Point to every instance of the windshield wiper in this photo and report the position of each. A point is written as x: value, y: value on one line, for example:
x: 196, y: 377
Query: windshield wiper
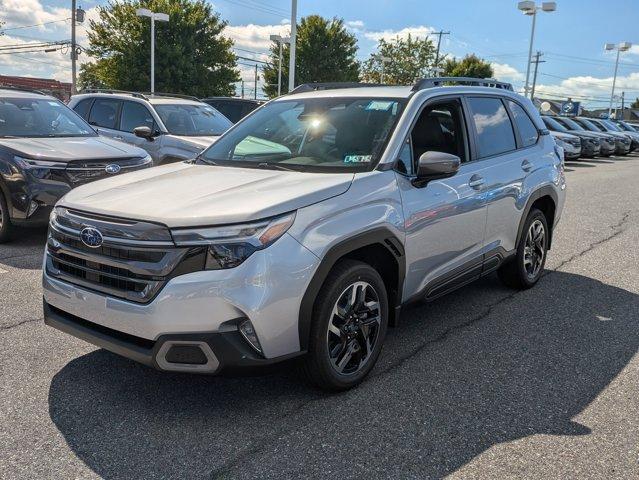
x: 276, y: 166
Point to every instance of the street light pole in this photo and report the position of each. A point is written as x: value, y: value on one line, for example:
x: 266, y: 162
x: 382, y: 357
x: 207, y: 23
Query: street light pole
x: 530, y: 8
x: 73, y: 52
x: 161, y: 17
x: 622, y: 47
x: 281, y: 41
x: 291, y: 63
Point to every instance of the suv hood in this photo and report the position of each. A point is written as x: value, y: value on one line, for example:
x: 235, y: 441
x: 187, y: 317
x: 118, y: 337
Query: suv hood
x: 66, y: 149
x: 200, y: 143
x: 187, y: 195
x: 563, y: 135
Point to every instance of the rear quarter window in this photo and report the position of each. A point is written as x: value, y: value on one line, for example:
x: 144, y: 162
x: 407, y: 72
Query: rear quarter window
x: 527, y: 130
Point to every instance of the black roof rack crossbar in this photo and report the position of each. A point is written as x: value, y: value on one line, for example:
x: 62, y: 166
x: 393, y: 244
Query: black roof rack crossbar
x: 174, y: 95
x: 478, y: 82
x: 22, y: 89
x: 313, y: 87
x: 110, y: 90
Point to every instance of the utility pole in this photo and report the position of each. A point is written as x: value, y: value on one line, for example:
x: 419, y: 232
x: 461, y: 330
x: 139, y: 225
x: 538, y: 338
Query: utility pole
x: 439, y: 42
x: 536, y: 61
x: 74, y: 53
x: 623, y: 102
x: 255, y: 92
x: 242, y: 88
x: 291, y: 63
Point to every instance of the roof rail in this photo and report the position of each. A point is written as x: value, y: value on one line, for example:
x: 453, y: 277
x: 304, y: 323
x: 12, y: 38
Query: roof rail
x: 174, y: 95
x: 313, y: 87
x: 22, y: 89
x: 478, y: 82
x: 109, y: 90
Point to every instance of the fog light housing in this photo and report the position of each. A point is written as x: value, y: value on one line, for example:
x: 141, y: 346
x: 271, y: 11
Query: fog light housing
x: 248, y: 332
x: 33, y: 206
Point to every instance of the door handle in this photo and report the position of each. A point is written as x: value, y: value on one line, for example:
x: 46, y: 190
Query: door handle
x: 526, y: 166
x: 118, y: 137
x: 476, y: 182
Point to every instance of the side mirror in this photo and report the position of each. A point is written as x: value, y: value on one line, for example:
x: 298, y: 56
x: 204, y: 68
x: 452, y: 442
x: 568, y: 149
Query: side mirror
x: 434, y: 166
x: 144, y: 132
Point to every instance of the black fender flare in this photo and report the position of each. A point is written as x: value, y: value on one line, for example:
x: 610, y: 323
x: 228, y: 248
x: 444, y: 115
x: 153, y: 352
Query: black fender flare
x: 378, y: 236
x: 545, y: 191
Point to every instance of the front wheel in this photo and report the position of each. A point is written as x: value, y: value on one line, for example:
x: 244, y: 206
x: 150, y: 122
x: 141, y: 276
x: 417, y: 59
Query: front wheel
x: 6, y: 228
x: 526, y: 268
x: 350, y: 319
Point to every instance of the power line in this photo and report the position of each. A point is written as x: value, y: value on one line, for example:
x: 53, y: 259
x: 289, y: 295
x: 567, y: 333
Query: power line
x: 35, y: 25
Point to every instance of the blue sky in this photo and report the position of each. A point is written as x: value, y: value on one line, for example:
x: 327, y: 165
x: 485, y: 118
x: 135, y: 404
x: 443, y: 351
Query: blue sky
x: 571, y: 38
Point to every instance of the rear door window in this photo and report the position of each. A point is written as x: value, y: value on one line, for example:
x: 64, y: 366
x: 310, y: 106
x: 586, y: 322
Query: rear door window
x: 104, y: 113
x: 494, y: 130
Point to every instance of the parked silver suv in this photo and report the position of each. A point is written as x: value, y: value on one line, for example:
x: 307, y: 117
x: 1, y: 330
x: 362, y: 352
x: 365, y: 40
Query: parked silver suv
x: 306, y: 227
x: 169, y: 127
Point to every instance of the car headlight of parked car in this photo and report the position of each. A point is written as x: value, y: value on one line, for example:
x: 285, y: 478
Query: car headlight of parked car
x: 229, y: 245
x: 37, y: 168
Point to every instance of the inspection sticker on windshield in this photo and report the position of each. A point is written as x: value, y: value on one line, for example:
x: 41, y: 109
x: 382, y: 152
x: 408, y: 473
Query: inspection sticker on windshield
x: 379, y: 105
x: 357, y: 158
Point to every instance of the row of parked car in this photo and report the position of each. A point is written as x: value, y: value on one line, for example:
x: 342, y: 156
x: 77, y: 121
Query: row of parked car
x: 582, y: 137
x: 46, y: 149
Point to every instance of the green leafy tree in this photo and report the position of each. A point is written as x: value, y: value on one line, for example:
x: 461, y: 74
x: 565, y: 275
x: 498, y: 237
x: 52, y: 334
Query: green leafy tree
x: 325, y: 52
x: 402, y: 60
x: 469, y: 66
x: 191, y: 55
x: 635, y: 104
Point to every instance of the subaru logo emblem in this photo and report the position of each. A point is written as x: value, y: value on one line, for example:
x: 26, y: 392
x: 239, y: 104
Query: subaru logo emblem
x: 113, y: 168
x: 91, y: 237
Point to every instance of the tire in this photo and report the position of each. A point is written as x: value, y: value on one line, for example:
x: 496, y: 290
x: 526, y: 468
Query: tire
x: 525, y: 270
x: 352, y: 356
x: 6, y: 228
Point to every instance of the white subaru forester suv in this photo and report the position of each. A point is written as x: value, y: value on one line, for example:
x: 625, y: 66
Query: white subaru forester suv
x: 306, y: 227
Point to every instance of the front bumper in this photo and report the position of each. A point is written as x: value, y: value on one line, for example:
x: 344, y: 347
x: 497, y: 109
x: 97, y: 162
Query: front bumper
x: 267, y: 289
x: 220, y: 351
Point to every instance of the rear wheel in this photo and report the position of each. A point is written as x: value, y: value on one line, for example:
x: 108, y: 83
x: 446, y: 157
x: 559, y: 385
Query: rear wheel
x: 526, y: 268
x: 6, y: 228
x: 349, y: 326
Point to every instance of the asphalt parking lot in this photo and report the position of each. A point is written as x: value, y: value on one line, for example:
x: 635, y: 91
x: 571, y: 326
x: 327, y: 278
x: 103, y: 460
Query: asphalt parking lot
x: 483, y: 383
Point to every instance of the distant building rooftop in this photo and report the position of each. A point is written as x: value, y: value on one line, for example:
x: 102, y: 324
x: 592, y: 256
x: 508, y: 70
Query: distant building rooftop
x: 62, y: 90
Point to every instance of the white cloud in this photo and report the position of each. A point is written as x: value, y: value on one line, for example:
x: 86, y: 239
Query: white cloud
x: 255, y: 37
x: 17, y: 13
x: 503, y: 71
x: 355, y: 25
x: 420, y: 31
x: 590, y: 90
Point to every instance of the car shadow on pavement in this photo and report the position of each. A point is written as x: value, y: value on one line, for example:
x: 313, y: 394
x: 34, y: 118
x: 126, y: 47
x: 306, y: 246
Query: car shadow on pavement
x: 579, y: 164
x: 477, y: 368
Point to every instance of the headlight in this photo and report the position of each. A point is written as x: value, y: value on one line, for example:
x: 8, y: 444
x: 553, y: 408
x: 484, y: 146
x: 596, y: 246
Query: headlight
x: 30, y: 164
x: 229, y: 245
x: 38, y: 168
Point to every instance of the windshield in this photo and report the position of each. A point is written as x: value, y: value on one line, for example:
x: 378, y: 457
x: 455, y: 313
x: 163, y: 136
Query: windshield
x: 611, y: 126
x: 588, y: 125
x: 192, y: 120
x: 570, y: 124
x: 36, y: 117
x: 553, y: 124
x: 317, y: 134
x: 627, y: 127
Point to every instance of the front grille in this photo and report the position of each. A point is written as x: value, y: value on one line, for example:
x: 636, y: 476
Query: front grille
x: 131, y: 263
x: 79, y: 172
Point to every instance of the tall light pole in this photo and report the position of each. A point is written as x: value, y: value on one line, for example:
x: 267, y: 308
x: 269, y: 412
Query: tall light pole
x: 384, y: 61
x: 77, y: 15
x: 291, y: 62
x: 622, y: 47
x: 281, y: 41
x: 530, y: 8
x: 160, y: 17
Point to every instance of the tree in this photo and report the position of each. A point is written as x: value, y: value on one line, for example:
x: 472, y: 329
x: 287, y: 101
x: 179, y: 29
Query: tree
x: 469, y: 66
x: 635, y: 104
x: 191, y: 56
x: 408, y: 59
x: 325, y: 52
